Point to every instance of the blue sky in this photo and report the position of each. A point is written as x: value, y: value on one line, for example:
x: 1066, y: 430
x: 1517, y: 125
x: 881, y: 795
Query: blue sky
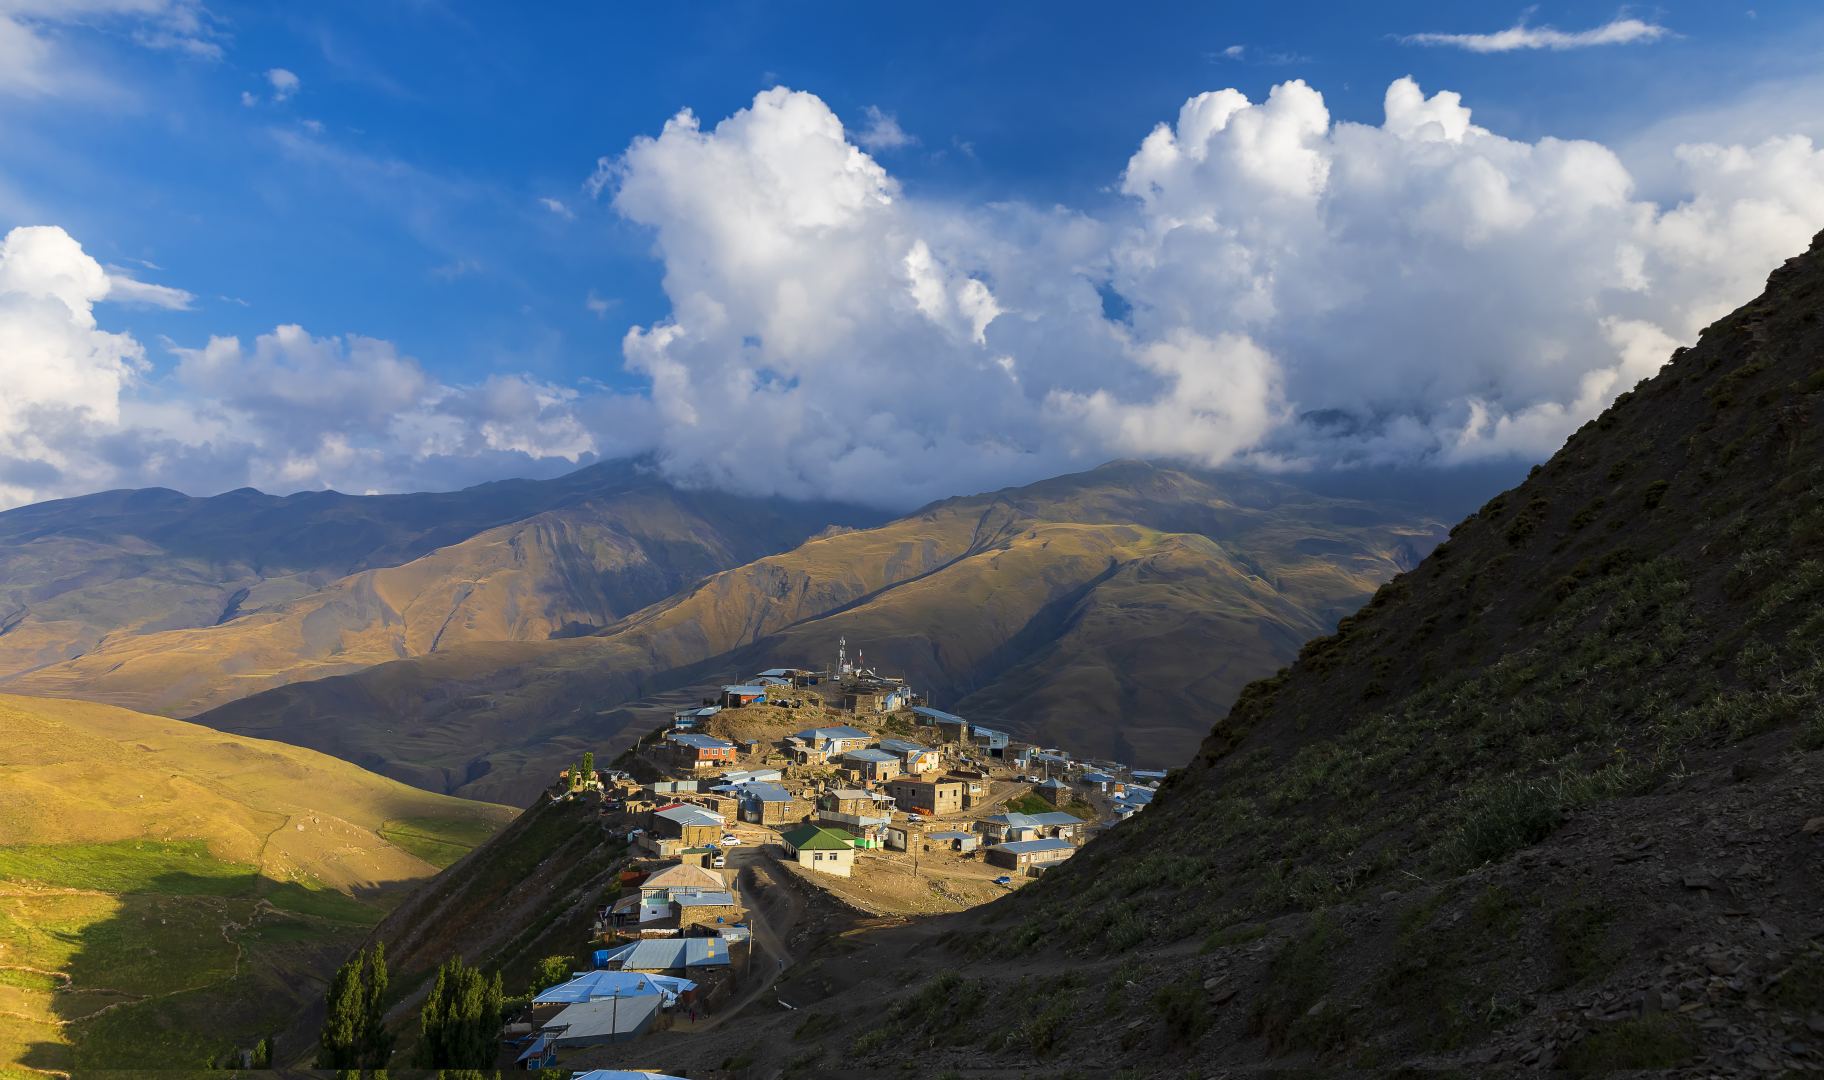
x: 422, y: 177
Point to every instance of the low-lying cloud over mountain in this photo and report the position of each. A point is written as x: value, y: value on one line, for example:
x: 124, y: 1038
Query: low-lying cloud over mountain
x: 1270, y: 286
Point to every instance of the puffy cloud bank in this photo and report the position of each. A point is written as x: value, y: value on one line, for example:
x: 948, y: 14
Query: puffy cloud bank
x: 1277, y: 288
x: 79, y: 410
x: 1269, y: 286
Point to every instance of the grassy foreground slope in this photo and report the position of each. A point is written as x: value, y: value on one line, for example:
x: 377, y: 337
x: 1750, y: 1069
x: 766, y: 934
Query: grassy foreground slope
x: 1553, y: 800
x: 1192, y: 582
x: 169, y: 893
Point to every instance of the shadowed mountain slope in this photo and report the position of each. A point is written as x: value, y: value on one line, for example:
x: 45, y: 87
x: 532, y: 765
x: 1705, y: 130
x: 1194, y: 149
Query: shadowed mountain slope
x: 1037, y: 585
x: 1552, y: 800
x: 172, y: 893
x: 160, y: 612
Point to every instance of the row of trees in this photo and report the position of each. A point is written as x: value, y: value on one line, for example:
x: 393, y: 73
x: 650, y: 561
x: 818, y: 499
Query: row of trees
x: 583, y: 771
x: 460, y: 1021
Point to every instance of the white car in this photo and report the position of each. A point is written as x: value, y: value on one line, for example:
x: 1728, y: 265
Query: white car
x: 730, y: 840
x: 719, y: 861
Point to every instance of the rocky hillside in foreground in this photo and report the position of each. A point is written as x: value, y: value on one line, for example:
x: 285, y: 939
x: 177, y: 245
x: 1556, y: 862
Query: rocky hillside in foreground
x: 1121, y: 608
x: 160, y: 602
x: 169, y: 894
x: 1552, y: 800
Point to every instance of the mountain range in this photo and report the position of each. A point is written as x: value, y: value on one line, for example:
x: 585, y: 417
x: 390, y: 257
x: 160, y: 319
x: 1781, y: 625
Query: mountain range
x: 161, y: 602
x: 1120, y: 608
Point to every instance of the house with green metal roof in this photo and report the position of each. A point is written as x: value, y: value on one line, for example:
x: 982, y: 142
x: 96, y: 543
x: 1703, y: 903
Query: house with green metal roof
x: 821, y: 849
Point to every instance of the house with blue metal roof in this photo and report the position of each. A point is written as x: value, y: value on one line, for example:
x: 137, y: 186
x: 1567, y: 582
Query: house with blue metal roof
x: 1058, y: 824
x: 596, y: 1023
x: 736, y: 697
x: 950, y: 727
x: 691, y: 719
x: 990, y: 740
x: 1009, y: 826
x: 596, y: 985
x: 696, y: 751
x: 672, y: 954
x: 768, y: 804
x: 1030, y: 854
x: 872, y: 764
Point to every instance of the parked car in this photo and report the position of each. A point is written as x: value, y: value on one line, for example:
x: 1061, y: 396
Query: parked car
x: 1004, y: 880
x: 730, y: 840
x: 719, y: 861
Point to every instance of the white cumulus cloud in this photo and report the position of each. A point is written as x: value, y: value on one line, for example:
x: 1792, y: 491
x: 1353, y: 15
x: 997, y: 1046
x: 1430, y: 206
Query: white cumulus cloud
x: 284, y: 83
x: 1279, y: 288
x: 1271, y: 286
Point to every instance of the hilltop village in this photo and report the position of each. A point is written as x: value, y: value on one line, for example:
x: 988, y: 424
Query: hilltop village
x: 842, y: 779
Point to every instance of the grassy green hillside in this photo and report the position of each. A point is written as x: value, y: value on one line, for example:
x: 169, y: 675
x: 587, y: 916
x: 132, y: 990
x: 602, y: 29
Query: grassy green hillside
x: 1553, y: 800
x: 169, y: 893
x: 163, y: 603
x: 1036, y: 586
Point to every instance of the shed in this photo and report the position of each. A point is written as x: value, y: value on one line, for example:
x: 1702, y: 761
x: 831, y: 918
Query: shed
x: 956, y: 840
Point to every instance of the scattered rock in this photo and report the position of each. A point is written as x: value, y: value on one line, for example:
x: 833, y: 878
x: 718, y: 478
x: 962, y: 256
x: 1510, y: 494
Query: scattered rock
x: 1813, y: 827
x: 1699, y: 881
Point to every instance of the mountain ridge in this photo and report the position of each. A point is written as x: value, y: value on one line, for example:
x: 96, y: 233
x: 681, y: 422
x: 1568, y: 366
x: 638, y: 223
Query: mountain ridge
x: 596, y: 544
x: 886, y: 589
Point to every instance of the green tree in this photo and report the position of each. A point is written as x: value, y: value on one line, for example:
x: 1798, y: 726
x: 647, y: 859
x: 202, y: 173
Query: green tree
x: 588, y: 766
x: 354, y: 1035
x: 461, y: 1018
x: 339, y: 1045
x: 376, y: 1041
x: 549, y: 972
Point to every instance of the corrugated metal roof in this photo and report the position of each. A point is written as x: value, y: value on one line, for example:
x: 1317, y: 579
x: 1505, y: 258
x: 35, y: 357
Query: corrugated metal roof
x: 592, y: 985
x: 604, y: 1019
x: 690, y: 815
x: 701, y: 742
x: 1015, y: 821
x: 1057, y: 817
x: 745, y: 690
x: 1028, y: 847
x: 902, y: 746
x: 704, y: 899
x: 825, y: 734
x: 869, y: 755
x: 938, y: 715
x: 764, y: 792
x: 670, y: 954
